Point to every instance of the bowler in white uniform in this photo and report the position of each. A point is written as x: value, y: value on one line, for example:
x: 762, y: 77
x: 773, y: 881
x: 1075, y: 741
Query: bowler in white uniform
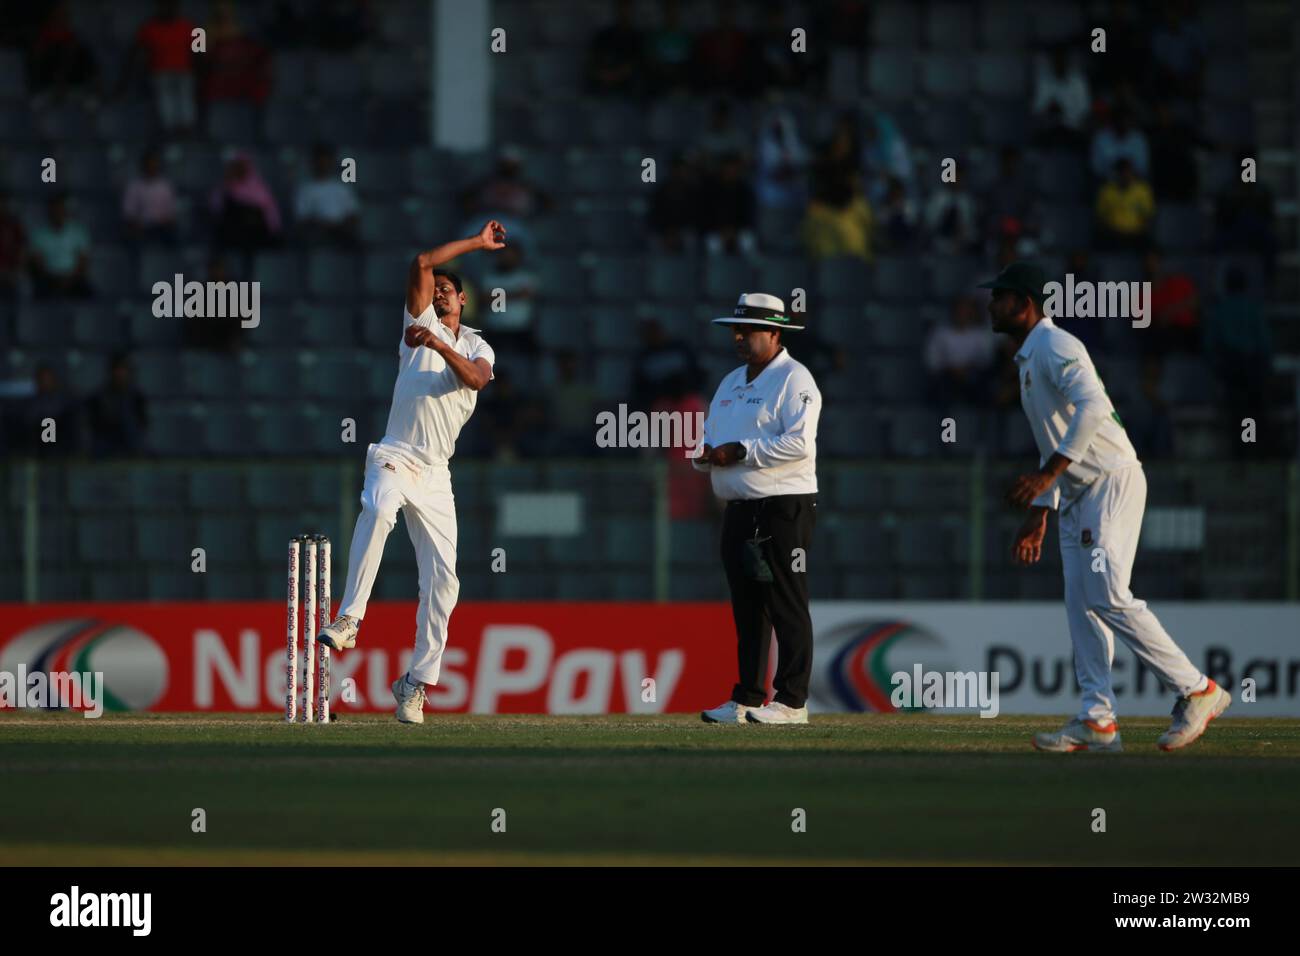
x: 1091, y: 475
x: 442, y: 365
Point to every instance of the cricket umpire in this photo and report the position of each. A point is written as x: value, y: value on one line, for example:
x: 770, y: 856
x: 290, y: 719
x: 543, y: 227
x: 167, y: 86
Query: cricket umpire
x: 760, y: 449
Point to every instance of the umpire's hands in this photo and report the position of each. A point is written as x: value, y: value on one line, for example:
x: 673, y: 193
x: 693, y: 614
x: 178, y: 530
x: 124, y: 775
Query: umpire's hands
x: 724, y: 455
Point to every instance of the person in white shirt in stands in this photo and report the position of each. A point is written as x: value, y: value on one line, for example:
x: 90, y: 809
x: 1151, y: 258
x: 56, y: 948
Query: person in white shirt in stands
x: 1090, y: 473
x: 326, y: 207
x: 760, y: 448
x: 442, y: 365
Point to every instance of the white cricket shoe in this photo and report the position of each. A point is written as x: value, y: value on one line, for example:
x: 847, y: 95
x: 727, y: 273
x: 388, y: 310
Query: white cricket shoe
x: 410, y: 701
x: 1081, y: 735
x: 341, y: 634
x: 1192, y: 715
x: 777, y: 713
x: 728, y: 713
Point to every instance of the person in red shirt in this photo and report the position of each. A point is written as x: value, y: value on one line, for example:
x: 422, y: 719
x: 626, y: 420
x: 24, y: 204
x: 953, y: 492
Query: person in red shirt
x: 164, y: 43
x: 1175, y: 308
x: 236, y: 67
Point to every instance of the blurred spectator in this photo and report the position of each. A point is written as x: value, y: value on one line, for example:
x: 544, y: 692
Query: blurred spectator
x: 246, y: 214
x: 1149, y: 421
x: 1174, y: 176
x: 213, y: 332
x: 1125, y: 209
x: 510, y: 419
x: 505, y: 193
x: 675, y: 208
x: 615, y: 57
x: 724, y: 55
x: 60, y: 254
x: 884, y: 155
x: 115, y: 415
x: 958, y: 356
x: 163, y: 41
x: 1061, y: 100
x: 1012, y: 209
x: 782, y: 159
x: 59, y: 62
x: 1119, y: 139
x: 722, y: 138
x: 1243, y: 219
x: 326, y: 207
x: 27, y: 418
x: 149, y: 202
x: 236, y: 66
x: 665, y: 367
x: 777, y: 66
x: 951, y: 219
x: 1128, y: 57
x: 838, y: 220
x: 690, y: 494
x: 1239, y: 349
x: 511, y: 329
x: 13, y: 249
x: 898, y: 218
x: 841, y: 154
x: 729, y: 210
x: 1089, y: 331
x: 1177, y: 52
x: 571, y: 423
x: 1175, y: 309
x: 668, y: 51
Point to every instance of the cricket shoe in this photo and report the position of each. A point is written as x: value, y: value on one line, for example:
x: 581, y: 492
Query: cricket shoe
x: 1081, y: 735
x: 778, y: 713
x: 410, y: 701
x: 340, y: 635
x: 1192, y: 715
x: 728, y: 713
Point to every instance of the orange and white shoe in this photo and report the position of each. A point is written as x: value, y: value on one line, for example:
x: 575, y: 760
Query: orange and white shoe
x: 1081, y: 735
x: 1192, y: 715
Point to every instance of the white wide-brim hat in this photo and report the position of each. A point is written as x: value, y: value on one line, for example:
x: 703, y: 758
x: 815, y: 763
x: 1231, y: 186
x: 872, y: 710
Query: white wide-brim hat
x: 759, y: 308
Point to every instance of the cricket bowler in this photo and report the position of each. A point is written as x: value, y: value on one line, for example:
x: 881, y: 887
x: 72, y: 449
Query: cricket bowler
x: 442, y: 366
x: 1090, y: 473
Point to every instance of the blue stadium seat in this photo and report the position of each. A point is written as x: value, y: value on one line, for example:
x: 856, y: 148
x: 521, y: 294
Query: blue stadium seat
x: 325, y: 374
x: 949, y: 128
x: 725, y: 277
x: 154, y: 489
x: 294, y: 430
x: 226, y: 536
x: 1003, y: 24
x: 209, y: 375
x: 895, y: 23
x: 946, y: 75
x: 900, y: 278
x: 232, y: 122
x: 844, y: 280
x: 228, y: 429
x: 1004, y: 123
x: 1061, y: 176
x: 617, y: 279
x: 269, y: 373
x: 1179, y: 227
x: 1068, y: 227
x: 950, y: 26
x: 1056, y: 21
x: 104, y: 539
x: 891, y: 74
x: 1001, y: 74
x: 164, y: 537
x: 331, y: 274
x: 324, y: 324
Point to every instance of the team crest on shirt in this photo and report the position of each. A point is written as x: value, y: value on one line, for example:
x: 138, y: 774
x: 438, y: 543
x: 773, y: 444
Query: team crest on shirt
x: 805, y: 397
x: 1087, y: 537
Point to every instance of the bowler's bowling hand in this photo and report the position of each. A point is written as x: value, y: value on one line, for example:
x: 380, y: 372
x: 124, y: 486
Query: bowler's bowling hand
x: 1028, y: 487
x: 1029, y: 539
x: 727, y: 454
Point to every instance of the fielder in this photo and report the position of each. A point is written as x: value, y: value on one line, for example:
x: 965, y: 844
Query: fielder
x: 441, y: 367
x: 1091, y: 474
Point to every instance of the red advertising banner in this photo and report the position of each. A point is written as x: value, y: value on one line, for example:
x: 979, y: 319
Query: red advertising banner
x: 554, y: 658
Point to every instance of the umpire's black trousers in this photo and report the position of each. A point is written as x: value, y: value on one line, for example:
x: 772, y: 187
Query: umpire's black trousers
x: 759, y: 607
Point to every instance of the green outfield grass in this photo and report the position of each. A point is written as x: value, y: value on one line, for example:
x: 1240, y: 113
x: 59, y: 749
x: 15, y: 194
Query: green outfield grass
x: 620, y: 789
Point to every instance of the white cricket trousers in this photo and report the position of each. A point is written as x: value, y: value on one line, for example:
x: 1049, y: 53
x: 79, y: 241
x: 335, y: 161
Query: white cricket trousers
x: 1099, y: 538
x: 425, y: 499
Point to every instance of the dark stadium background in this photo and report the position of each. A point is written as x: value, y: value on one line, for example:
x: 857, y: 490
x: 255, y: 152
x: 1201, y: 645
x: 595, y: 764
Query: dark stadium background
x: 231, y: 437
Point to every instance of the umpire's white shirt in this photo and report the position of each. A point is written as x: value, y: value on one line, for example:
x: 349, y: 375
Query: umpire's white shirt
x: 775, y: 418
x: 1069, y: 412
x: 430, y: 402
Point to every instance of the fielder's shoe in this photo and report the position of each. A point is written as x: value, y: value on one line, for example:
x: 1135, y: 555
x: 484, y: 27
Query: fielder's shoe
x: 1192, y: 715
x: 410, y: 701
x: 340, y: 635
x: 1081, y: 735
x: 777, y: 713
x: 728, y: 713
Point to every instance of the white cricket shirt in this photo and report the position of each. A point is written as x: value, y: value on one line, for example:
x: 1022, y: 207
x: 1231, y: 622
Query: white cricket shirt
x: 775, y: 418
x: 1069, y: 412
x: 430, y: 402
